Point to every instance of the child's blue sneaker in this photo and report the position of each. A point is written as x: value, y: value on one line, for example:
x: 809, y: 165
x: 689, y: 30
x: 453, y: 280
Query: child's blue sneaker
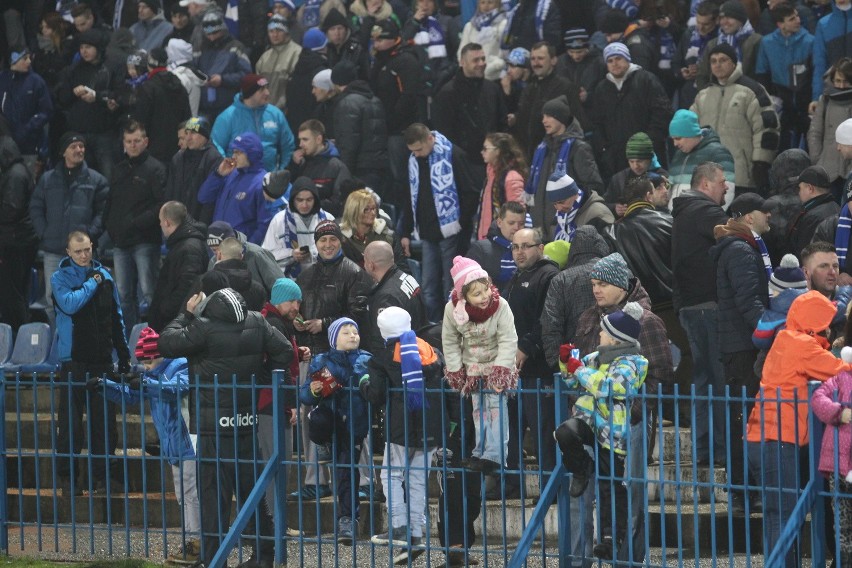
x: 310, y: 493
x: 347, y: 530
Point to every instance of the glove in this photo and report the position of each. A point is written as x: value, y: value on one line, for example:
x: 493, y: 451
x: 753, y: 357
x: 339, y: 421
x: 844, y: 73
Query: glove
x: 572, y: 364
x: 124, y: 367
x: 565, y: 351
x: 760, y: 175
x: 135, y: 382
x: 94, y: 384
x: 95, y: 275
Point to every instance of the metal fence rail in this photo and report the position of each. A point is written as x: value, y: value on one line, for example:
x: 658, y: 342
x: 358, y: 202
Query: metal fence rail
x: 677, y: 511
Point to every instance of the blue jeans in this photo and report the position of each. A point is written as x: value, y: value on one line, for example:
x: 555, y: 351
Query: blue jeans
x: 491, y: 423
x: 701, y: 328
x: 776, y: 465
x: 436, y: 280
x: 136, y: 270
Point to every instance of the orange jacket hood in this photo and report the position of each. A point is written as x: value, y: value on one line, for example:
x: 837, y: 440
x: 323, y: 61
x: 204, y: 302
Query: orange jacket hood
x: 811, y: 313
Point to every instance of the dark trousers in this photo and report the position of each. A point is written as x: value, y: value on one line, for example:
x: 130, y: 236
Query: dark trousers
x: 226, y: 469
x: 101, y: 433
x: 739, y: 374
x: 15, y: 265
x: 460, y: 499
x: 324, y: 426
x: 537, y: 411
x: 612, y: 494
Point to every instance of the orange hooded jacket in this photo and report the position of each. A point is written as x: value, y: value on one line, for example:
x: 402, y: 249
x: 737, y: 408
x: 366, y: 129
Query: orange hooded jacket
x: 796, y: 357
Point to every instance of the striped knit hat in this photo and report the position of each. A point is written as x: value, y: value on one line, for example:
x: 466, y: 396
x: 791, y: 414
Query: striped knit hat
x: 146, y: 347
x: 788, y: 275
x: 334, y: 330
x: 575, y: 38
x: 640, y: 147
x: 624, y: 325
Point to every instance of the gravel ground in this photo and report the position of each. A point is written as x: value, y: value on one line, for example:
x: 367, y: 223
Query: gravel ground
x: 82, y: 545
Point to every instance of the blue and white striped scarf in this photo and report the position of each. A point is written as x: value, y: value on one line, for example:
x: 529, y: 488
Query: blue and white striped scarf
x: 412, y: 371
x: 444, y: 191
x: 293, y: 230
x: 507, y: 262
x: 538, y: 161
x: 736, y: 40
x: 841, y: 236
x: 764, y: 253
x: 565, y: 225
x: 311, y: 13
x: 541, y: 10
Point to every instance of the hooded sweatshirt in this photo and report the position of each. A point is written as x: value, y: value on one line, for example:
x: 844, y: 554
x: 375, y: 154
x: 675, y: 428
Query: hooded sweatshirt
x: 266, y: 121
x: 239, y: 195
x: 798, y: 355
x: 278, y: 239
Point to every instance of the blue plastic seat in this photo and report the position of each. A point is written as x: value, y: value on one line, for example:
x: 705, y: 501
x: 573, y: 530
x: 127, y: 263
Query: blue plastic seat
x: 32, y: 346
x: 6, y: 343
x: 50, y: 365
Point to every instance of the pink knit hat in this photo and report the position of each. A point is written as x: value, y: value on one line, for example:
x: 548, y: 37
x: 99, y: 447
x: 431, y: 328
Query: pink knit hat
x: 465, y: 271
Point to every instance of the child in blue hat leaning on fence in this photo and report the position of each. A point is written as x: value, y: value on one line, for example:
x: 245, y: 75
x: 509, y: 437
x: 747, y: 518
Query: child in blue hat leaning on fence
x: 165, y: 385
x: 607, y: 379
x: 339, y: 409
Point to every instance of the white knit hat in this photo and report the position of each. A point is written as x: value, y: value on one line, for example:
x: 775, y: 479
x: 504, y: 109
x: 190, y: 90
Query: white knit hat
x: 393, y: 322
x: 843, y: 134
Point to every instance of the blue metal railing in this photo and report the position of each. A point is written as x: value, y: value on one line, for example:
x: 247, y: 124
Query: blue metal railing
x: 680, y: 506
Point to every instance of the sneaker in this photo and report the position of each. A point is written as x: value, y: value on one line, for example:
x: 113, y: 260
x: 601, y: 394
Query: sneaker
x: 603, y: 549
x: 188, y: 556
x: 64, y: 484
x: 363, y: 493
x: 323, y: 453
x: 254, y: 563
x: 310, y: 493
x: 443, y: 455
x: 469, y: 463
x: 456, y: 557
x: 398, y: 536
x: 579, y: 481
x: 406, y: 555
x: 485, y: 466
x: 347, y: 530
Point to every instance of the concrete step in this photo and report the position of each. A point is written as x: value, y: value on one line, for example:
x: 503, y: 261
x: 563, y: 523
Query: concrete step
x: 706, y: 529
x: 670, y: 481
x: 674, y: 443
x: 31, y: 430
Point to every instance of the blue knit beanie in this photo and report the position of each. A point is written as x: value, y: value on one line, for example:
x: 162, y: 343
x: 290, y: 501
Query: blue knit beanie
x: 560, y: 186
x: 285, y: 290
x: 684, y: 124
x: 613, y: 270
x: 624, y: 325
x: 334, y: 330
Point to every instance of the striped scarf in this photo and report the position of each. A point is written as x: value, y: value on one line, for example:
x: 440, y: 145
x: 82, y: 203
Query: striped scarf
x: 764, y: 253
x: 304, y: 225
x: 412, y: 371
x: 841, y: 236
x: 507, y: 263
x: 736, y: 40
x: 565, y: 222
x: 443, y: 185
x: 538, y: 160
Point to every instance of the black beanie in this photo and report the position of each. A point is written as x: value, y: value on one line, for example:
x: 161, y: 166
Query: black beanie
x: 69, y: 138
x: 614, y: 21
x: 725, y: 49
x: 560, y: 109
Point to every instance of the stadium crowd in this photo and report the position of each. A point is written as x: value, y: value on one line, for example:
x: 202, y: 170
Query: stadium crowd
x: 368, y: 194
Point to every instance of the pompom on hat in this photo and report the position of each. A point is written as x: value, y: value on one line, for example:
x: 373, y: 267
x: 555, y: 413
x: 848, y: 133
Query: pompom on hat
x: 788, y: 275
x: 625, y: 324
x: 147, y: 345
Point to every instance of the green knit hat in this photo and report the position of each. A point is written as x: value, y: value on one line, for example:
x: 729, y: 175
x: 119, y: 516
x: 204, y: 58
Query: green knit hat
x: 640, y: 147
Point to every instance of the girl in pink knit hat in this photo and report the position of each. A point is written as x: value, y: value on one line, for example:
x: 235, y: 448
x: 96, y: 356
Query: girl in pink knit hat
x: 480, y: 344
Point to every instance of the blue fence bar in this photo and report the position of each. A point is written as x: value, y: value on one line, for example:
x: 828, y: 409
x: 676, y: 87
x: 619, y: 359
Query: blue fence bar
x: 676, y: 510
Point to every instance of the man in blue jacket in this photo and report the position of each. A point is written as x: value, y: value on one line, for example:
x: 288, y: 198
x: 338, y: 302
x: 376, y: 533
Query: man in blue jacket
x: 784, y: 67
x: 251, y: 112
x: 831, y: 42
x: 68, y: 197
x: 236, y: 188
x: 90, y: 326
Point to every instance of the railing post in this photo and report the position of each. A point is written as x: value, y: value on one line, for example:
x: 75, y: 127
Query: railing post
x: 818, y: 544
x: 4, y: 516
x: 279, y: 512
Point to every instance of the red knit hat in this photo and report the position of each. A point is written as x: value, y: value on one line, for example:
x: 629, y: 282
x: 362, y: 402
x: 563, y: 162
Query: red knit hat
x: 146, y: 347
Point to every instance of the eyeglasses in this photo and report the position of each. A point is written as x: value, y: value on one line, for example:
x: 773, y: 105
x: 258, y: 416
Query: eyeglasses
x: 488, y: 149
x: 370, y: 209
x: 523, y: 246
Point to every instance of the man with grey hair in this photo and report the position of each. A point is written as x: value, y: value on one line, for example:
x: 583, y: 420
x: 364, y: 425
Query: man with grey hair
x: 696, y: 213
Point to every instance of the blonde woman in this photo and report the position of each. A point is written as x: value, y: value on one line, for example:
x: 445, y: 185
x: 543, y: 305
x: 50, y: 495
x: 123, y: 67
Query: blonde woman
x: 362, y: 224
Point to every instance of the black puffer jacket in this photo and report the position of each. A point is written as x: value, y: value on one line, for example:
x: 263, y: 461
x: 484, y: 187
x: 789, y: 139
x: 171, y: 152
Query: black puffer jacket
x: 223, y: 338
x: 741, y: 288
x: 694, y: 274
x: 240, y: 279
x: 185, y: 261
x: 361, y: 128
x: 526, y: 293
x: 803, y: 226
x: 161, y: 104
x: 395, y: 289
x: 385, y: 386
x: 644, y: 239
x: 133, y: 203
x: 16, y: 188
x: 331, y: 290
x: 189, y: 170
x: 301, y: 104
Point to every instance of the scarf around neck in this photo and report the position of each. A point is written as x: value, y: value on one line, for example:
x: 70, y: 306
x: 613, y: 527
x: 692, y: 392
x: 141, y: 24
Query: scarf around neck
x: 507, y: 263
x: 431, y: 35
x: 483, y: 20
x: 412, y: 371
x: 764, y: 253
x: 841, y: 236
x: 566, y: 223
x: 736, y: 40
x: 463, y: 312
x: 538, y: 160
x: 444, y: 192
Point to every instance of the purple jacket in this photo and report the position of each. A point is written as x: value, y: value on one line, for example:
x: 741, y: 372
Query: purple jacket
x: 826, y: 409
